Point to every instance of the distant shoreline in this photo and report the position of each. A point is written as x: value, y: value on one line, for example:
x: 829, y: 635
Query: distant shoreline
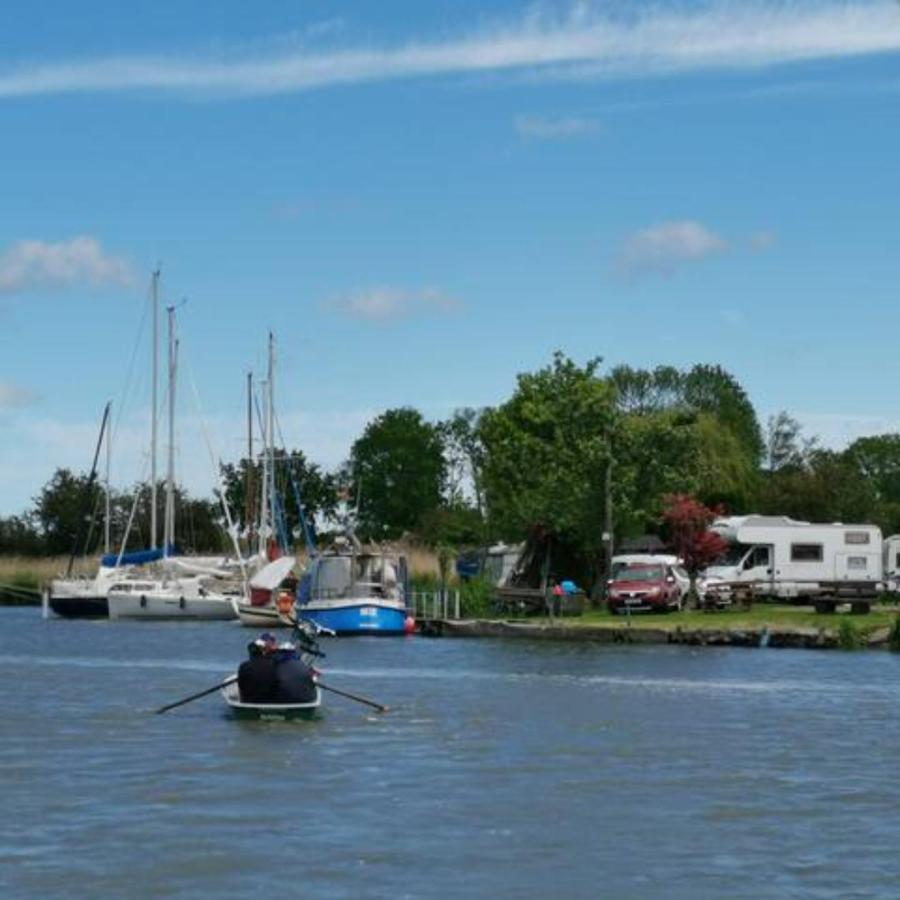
x: 773, y: 635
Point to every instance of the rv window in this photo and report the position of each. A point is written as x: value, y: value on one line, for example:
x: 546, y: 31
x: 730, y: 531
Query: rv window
x: 857, y: 562
x: 856, y: 537
x: 806, y: 553
x: 897, y: 562
x: 759, y: 557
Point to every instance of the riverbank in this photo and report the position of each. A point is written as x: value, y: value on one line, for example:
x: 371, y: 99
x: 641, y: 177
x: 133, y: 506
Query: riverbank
x: 760, y: 626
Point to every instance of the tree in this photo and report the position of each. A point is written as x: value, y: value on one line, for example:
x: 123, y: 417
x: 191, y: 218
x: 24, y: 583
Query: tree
x: 317, y: 491
x: 63, y: 510
x: 786, y: 446
x: 877, y: 458
x: 686, y: 523
x: 398, y: 468
x: 655, y: 454
x: 546, y: 454
x: 712, y: 390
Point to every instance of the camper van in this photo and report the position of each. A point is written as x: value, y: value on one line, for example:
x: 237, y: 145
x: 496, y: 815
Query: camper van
x: 892, y: 563
x: 787, y: 559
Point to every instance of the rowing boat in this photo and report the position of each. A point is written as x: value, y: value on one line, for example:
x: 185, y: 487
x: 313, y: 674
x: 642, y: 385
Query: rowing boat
x: 269, y: 711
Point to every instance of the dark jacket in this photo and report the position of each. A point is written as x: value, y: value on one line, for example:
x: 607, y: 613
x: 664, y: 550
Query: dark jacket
x: 256, y: 680
x: 294, y: 682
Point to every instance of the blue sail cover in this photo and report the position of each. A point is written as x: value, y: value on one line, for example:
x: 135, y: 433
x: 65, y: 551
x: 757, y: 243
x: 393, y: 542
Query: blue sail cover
x: 137, y: 558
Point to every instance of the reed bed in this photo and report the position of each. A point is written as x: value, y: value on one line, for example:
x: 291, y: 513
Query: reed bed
x: 36, y: 571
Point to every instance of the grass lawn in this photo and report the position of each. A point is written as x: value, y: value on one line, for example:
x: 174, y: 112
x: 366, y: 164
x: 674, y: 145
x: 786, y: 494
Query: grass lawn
x: 758, y: 616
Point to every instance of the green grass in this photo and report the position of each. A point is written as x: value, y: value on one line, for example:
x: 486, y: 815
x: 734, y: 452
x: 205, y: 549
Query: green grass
x: 759, y: 616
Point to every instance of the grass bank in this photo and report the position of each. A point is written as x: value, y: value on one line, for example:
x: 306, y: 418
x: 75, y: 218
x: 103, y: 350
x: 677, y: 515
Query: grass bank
x: 761, y: 615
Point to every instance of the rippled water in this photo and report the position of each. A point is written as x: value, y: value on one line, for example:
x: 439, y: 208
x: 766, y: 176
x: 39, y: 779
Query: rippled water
x: 502, y: 770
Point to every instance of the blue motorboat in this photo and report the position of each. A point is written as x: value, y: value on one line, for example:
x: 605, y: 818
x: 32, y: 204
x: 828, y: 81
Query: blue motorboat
x: 355, y: 590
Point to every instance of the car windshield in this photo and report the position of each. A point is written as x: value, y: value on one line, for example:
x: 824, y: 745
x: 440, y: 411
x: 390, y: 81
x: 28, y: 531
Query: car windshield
x: 642, y: 573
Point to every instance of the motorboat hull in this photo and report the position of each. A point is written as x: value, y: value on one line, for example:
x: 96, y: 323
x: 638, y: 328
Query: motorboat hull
x: 362, y: 617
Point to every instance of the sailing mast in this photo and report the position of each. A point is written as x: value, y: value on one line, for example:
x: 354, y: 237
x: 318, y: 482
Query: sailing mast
x: 249, y: 485
x: 153, y: 401
x: 106, y: 523
x: 270, y: 429
x: 263, y: 535
x: 169, y: 531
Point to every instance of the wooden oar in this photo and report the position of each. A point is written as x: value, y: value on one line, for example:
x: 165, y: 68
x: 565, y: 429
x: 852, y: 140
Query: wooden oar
x: 211, y: 690
x: 325, y: 687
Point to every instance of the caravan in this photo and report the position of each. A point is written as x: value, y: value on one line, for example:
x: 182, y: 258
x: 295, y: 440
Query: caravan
x: 787, y: 559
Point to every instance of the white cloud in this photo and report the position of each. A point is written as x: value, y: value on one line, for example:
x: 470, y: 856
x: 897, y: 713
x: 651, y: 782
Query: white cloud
x: 585, y: 43
x: 12, y: 396
x: 549, y: 129
x: 81, y: 260
x: 383, y: 304
x: 662, y: 248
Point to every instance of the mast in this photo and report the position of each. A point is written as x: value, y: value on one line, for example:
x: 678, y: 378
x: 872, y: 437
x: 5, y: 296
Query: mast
x: 263, y: 534
x: 153, y: 401
x: 169, y: 533
x: 106, y: 523
x: 270, y: 428
x: 248, y: 487
x: 86, y: 495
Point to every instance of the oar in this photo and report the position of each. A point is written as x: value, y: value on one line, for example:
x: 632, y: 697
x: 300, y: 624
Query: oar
x: 211, y: 690
x: 325, y: 687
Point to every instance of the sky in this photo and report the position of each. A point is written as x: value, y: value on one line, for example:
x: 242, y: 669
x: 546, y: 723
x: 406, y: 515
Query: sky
x: 421, y: 200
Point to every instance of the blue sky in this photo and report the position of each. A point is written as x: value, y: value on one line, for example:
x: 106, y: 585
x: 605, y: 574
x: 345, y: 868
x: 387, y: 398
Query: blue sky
x: 422, y: 200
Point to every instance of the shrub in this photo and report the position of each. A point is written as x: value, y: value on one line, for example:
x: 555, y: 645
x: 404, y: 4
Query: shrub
x: 476, y: 598
x: 894, y: 634
x: 849, y: 636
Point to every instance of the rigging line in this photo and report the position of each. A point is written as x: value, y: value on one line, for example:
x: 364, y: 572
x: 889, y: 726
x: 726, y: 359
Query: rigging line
x: 217, y: 468
x: 279, y: 525
x: 277, y: 529
x: 291, y: 459
x: 134, y: 505
x: 126, y: 385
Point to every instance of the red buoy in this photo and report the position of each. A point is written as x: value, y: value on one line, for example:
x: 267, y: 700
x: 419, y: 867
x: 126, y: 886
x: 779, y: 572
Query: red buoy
x: 409, y: 625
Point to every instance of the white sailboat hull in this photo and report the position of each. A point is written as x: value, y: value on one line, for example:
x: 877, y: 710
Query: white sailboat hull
x: 169, y: 605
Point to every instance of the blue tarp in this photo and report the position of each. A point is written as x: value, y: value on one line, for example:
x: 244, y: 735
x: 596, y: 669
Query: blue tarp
x: 136, y: 558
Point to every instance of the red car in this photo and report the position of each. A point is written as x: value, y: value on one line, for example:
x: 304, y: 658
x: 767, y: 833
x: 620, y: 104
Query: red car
x: 648, y: 586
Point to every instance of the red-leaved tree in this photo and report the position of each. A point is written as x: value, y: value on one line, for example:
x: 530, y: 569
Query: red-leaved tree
x: 686, y: 522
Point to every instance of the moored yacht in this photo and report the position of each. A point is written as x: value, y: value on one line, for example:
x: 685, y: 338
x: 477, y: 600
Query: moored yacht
x: 169, y: 598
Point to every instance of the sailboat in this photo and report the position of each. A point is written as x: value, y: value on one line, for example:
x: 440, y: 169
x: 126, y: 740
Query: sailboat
x: 74, y: 597
x: 169, y: 595
x: 270, y: 597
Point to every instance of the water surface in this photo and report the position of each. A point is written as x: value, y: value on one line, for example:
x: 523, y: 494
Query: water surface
x: 504, y: 769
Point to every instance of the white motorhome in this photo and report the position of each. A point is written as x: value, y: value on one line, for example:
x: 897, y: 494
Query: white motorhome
x: 892, y: 563
x: 788, y: 559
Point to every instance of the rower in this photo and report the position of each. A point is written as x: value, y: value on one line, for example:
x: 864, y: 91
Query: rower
x: 294, y: 680
x: 256, y: 675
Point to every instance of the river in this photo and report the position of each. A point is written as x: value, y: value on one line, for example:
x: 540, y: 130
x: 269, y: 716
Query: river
x: 503, y: 770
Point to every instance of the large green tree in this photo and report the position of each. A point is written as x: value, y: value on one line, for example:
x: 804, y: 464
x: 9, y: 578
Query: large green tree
x: 546, y: 454
x: 398, y: 470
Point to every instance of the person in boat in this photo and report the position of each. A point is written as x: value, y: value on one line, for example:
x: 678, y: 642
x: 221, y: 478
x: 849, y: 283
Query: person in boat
x: 256, y: 675
x: 294, y: 680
